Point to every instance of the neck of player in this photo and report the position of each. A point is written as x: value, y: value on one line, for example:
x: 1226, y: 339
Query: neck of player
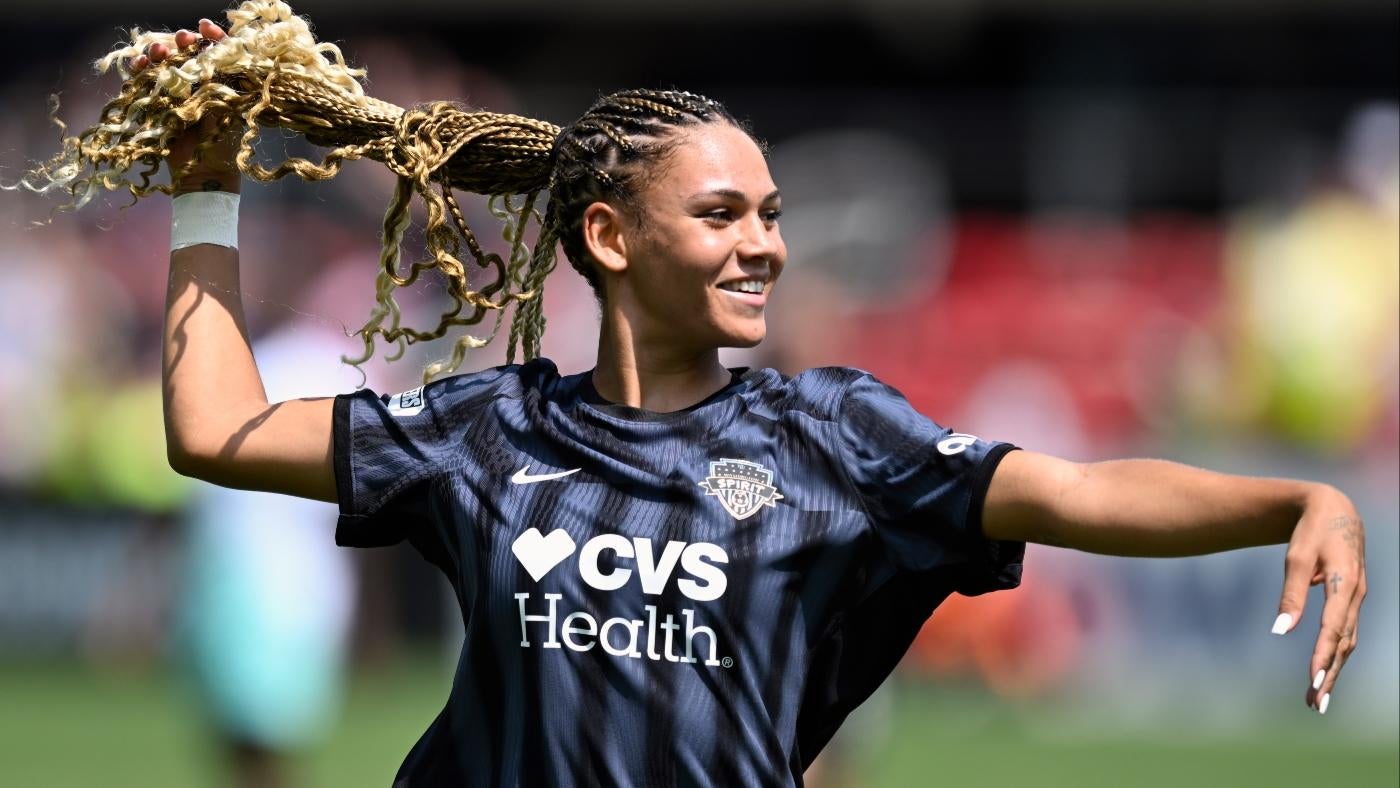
x: 648, y: 373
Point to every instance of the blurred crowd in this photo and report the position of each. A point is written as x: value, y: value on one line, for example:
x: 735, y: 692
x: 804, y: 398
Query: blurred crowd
x: 1259, y: 335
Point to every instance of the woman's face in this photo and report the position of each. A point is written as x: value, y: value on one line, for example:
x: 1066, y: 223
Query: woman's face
x: 702, y: 261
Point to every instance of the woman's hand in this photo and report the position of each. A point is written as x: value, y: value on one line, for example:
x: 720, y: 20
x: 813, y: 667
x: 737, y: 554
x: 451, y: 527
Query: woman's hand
x: 216, y: 169
x: 1328, y: 547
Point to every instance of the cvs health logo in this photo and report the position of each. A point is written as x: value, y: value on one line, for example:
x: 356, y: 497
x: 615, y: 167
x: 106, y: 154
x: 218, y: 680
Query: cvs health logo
x: 702, y: 579
x: 707, y: 582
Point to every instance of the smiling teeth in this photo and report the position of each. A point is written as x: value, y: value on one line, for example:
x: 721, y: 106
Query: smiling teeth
x: 744, y: 286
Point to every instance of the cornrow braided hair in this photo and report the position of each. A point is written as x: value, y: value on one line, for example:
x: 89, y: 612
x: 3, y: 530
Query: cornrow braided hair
x: 610, y: 152
x: 271, y: 72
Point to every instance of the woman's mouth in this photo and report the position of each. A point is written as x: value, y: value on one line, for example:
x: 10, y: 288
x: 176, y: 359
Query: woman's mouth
x: 748, y: 291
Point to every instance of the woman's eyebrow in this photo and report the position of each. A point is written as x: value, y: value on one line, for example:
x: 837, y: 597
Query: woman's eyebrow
x: 735, y: 194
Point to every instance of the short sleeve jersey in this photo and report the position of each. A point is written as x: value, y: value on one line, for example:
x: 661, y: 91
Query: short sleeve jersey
x: 651, y: 599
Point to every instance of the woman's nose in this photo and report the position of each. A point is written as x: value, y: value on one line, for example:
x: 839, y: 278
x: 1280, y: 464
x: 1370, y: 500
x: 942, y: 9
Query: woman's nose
x: 760, y: 239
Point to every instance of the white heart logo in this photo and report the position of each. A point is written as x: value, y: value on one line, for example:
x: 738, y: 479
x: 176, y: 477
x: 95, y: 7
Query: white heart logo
x: 539, y: 553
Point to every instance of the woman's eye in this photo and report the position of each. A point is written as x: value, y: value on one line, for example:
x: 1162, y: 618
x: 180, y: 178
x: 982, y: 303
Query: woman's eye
x: 726, y: 215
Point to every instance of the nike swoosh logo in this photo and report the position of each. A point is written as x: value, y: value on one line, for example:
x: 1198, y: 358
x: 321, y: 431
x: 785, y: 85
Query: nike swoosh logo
x: 521, y: 477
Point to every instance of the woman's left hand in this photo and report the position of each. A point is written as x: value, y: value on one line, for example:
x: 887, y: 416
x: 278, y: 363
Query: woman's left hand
x: 1328, y: 547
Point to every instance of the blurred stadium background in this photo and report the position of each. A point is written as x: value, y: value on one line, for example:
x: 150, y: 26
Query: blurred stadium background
x: 1167, y: 228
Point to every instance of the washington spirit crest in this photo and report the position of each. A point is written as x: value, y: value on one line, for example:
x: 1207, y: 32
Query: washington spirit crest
x: 743, y: 487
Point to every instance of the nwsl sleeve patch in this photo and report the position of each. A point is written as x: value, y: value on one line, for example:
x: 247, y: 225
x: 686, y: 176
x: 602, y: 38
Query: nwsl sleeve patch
x: 408, y: 403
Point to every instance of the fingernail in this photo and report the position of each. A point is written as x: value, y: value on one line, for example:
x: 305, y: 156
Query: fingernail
x: 1322, y: 704
x: 1317, y: 680
x: 1282, y: 623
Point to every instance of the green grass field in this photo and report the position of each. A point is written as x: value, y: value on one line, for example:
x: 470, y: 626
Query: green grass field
x: 63, y: 725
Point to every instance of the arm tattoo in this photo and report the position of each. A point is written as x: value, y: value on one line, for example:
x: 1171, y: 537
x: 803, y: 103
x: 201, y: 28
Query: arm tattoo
x: 1336, y: 581
x: 1352, y: 533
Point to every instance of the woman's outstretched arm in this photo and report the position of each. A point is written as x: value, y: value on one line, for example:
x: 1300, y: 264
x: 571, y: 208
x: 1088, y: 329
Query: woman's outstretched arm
x: 219, y: 426
x: 1158, y: 508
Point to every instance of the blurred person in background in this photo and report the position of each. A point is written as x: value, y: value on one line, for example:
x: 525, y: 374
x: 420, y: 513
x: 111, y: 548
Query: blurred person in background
x: 266, y: 598
x: 1313, y: 303
x: 682, y: 261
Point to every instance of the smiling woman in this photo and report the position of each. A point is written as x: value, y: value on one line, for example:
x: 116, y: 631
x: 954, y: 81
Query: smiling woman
x: 666, y: 206
x: 670, y: 572
x: 689, y: 269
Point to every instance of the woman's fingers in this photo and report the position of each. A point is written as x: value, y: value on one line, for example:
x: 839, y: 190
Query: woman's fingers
x: 1298, y: 568
x: 1346, y: 644
x: 186, y: 39
x: 1327, y: 548
x: 1338, y: 626
x: 153, y: 53
x: 210, y: 30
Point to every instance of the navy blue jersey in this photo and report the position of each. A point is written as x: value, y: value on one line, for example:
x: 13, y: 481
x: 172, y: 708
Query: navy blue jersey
x: 652, y: 599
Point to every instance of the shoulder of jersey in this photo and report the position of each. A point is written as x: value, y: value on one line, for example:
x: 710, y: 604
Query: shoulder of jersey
x: 817, y: 392
x: 473, y: 389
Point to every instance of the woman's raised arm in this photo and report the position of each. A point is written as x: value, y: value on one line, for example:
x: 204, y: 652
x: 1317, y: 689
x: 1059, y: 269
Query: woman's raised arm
x: 219, y: 426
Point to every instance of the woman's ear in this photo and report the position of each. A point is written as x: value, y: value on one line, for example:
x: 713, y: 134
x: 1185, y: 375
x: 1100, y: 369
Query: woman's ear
x: 603, y: 237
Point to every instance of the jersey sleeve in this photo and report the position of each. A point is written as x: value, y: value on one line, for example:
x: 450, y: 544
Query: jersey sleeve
x: 923, y: 485
x: 389, y: 449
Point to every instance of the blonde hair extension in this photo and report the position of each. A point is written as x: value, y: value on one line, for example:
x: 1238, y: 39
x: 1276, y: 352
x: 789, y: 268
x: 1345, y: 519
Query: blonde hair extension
x: 271, y: 71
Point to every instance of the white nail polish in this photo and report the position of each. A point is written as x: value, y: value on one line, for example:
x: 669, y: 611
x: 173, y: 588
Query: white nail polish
x: 1317, y: 680
x: 1282, y: 623
x: 1322, y: 704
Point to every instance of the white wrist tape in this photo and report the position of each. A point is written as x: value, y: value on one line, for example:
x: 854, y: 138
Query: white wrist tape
x: 204, y: 218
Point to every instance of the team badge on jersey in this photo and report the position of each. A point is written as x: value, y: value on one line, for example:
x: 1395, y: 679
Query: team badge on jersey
x: 743, y: 487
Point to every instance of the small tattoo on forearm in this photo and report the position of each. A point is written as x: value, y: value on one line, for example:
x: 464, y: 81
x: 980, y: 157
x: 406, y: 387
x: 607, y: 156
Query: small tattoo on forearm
x: 1336, y: 581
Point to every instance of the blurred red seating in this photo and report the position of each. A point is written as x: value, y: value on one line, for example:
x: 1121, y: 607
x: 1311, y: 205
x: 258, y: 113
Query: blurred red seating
x: 1103, y: 305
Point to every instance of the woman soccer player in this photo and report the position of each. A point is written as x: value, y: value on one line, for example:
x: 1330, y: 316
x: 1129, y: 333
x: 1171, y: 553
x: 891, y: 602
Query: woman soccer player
x: 671, y: 572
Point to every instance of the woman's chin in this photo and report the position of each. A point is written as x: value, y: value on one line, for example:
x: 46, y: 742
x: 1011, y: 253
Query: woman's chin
x: 746, y: 336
